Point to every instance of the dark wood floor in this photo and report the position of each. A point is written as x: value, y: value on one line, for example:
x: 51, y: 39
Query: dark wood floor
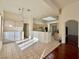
x: 72, y: 39
x: 64, y: 51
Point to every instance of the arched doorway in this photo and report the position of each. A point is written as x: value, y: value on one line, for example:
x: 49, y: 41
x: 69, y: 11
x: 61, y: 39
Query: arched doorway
x: 72, y: 32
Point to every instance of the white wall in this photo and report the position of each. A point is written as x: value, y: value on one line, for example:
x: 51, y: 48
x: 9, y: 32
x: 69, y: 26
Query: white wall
x: 70, y: 12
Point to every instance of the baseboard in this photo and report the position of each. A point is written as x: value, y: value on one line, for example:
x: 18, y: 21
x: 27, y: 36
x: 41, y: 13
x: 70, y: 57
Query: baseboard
x: 73, y: 35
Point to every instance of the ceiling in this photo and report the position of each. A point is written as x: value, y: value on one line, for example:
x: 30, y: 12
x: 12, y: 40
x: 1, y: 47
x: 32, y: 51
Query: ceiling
x: 60, y: 3
x: 38, y: 8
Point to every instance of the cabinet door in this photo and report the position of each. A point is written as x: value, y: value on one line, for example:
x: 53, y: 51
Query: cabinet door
x: 17, y: 35
x: 9, y: 36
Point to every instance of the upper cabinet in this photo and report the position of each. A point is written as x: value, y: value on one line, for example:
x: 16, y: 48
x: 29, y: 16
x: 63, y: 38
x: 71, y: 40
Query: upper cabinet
x: 10, y: 25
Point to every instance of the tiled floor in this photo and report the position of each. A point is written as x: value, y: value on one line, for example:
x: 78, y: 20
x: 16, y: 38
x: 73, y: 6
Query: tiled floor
x: 12, y: 51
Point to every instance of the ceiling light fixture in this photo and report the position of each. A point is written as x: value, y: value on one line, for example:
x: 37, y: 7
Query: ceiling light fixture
x: 50, y: 18
x: 22, y: 13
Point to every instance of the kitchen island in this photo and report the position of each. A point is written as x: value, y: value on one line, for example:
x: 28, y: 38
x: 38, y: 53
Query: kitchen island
x: 42, y: 36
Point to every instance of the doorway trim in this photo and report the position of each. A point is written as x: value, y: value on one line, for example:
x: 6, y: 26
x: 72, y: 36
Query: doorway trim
x: 65, y: 26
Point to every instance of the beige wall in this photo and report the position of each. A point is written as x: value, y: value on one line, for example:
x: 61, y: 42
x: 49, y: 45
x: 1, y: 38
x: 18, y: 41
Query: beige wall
x: 70, y: 12
x: 0, y: 33
x: 30, y: 22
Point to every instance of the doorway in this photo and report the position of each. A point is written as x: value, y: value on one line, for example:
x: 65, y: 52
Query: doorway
x: 72, y: 32
x: 26, y: 30
x: 53, y: 27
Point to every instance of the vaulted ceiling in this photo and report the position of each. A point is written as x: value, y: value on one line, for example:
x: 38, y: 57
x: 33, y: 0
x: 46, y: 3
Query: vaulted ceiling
x: 60, y: 3
x: 38, y: 8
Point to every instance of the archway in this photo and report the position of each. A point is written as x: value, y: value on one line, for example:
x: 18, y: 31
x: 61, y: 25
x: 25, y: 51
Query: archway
x: 71, y: 31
